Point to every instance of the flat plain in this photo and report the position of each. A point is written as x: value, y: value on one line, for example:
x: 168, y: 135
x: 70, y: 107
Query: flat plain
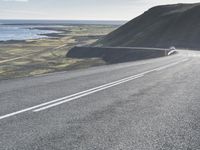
x: 46, y: 55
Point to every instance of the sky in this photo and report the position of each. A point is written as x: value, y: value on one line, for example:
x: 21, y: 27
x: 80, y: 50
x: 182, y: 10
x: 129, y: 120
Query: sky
x: 79, y: 9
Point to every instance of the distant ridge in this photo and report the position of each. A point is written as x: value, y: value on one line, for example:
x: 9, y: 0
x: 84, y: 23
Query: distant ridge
x: 161, y: 26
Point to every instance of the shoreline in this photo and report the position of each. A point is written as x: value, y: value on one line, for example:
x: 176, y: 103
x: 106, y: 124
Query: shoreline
x: 62, y: 22
x: 49, y: 54
x: 58, y: 33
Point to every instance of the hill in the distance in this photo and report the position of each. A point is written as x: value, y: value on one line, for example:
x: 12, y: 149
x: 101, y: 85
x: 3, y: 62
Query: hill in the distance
x: 162, y: 26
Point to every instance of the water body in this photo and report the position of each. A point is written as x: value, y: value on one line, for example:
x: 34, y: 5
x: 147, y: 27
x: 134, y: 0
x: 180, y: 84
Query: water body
x: 24, y: 29
x: 61, y: 22
x: 16, y: 32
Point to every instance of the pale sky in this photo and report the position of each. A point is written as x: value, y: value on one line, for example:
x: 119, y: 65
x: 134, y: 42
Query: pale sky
x: 79, y: 9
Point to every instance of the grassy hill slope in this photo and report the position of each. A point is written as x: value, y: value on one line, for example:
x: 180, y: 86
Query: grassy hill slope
x: 162, y: 26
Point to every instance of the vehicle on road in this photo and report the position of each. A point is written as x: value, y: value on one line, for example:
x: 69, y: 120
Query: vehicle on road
x: 172, y: 48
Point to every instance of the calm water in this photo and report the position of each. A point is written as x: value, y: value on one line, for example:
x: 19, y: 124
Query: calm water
x: 16, y: 32
x: 61, y: 22
x: 20, y: 29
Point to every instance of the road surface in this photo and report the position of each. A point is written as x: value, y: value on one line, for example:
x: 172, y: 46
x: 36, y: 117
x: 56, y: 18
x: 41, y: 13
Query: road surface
x: 144, y: 105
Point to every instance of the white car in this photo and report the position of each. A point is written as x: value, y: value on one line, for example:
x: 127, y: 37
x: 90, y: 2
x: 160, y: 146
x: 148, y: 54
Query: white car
x: 172, y: 48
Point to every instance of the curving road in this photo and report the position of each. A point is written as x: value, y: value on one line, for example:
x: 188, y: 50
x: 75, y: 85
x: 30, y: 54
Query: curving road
x: 151, y: 104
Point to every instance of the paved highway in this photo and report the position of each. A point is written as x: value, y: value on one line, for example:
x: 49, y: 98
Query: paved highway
x: 151, y: 104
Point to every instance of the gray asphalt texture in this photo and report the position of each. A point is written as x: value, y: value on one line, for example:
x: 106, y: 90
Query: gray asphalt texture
x: 159, y: 111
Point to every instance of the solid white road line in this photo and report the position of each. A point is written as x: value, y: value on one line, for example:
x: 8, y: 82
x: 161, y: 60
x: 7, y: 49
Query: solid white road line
x: 83, y: 95
x: 106, y: 87
x: 170, y: 65
x: 65, y: 99
x: 100, y: 88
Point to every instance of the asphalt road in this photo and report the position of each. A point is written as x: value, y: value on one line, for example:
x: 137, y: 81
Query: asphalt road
x: 145, y: 105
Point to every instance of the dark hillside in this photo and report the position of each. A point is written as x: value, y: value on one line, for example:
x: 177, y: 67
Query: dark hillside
x: 162, y: 26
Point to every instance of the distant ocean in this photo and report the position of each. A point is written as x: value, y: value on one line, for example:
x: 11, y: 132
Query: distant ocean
x: 24, y: 29
x: 17, y: 32
x: 60, y: 22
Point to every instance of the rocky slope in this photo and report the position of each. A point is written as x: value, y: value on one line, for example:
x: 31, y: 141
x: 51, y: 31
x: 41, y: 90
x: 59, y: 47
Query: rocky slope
x: 162, y: 26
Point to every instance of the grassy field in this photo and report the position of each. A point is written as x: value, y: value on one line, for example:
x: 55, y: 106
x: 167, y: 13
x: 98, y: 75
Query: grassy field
x: 41, y: 56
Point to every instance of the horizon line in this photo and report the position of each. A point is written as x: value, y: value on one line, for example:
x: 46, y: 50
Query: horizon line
x: 65, y: 19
